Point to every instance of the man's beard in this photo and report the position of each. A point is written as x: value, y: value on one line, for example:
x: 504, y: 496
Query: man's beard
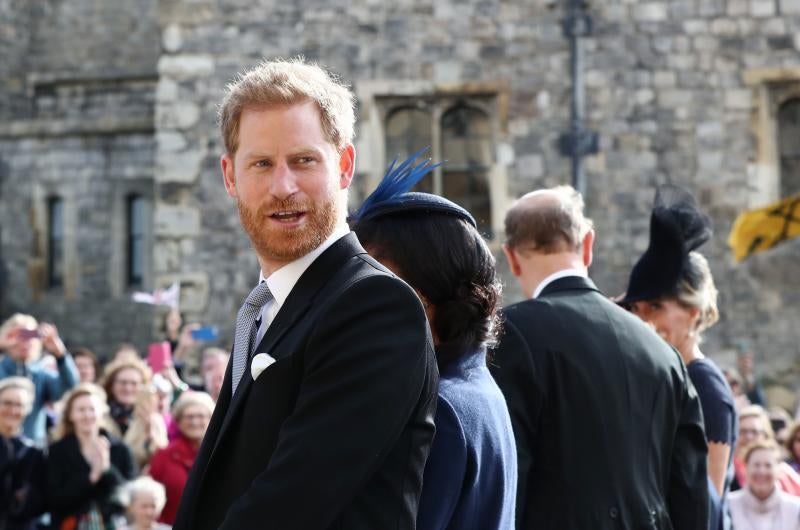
x: 284, y: 244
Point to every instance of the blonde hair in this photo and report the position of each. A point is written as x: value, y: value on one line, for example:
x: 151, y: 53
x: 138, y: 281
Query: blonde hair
x: 282, y: 83
x: 757, y: 411
x: 17, y: 320
x: 699, y: 291
x: 768, y: 445
x: 548, y: 228
x: 144, y: 439
x: 66, y: 427
x: 20, y: 383
x: 189, y: 398
x: 115, y: 367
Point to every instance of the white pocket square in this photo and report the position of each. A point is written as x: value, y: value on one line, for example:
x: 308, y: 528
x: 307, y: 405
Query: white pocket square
x: 260, y: 363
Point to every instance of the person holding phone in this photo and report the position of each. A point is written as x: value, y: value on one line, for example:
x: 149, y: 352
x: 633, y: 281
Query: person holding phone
x: 24, y: 338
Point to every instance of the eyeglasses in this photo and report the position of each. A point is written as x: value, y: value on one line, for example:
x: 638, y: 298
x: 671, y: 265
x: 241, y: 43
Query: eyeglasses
x: 11, y: 404
x: 751, y: 432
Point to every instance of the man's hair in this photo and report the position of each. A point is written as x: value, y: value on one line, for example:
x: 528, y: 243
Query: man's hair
x: 282, y: 83
x: 550, y: 228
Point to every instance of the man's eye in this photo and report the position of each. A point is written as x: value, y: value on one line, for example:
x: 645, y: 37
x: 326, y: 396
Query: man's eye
x: 262, y: 163
x: 305, y: 159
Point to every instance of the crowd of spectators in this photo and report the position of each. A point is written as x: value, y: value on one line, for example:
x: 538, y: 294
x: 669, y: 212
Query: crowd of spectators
x: 97, y: 445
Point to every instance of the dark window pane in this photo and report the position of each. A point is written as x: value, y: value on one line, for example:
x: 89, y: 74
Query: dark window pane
x: 55, y: 242
x: 789, y: 146
x: 467, y: 150
x: 408, y: 129
x: 136, y: 222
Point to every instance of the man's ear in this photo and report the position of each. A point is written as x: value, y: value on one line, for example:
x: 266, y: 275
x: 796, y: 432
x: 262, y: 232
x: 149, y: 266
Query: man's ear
x: 588, y: 242
x: 513, y: 260
x: 228, y: 174
x: 347, y: 166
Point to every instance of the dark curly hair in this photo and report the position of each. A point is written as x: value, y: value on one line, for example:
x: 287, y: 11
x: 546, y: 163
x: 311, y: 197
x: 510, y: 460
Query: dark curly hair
x: 446, y: 261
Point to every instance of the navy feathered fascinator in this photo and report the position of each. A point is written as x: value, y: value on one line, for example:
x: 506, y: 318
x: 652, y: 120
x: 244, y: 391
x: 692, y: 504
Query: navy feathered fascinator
x: 393, y: 196
x: 677, y: 227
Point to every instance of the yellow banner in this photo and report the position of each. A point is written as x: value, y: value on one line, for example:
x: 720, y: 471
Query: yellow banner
x: 762, y: 229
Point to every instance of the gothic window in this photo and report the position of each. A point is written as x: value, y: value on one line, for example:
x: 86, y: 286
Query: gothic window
x: 457, y: 133
x: 135, y: 238
x: 55, y: 242
x: 789, y: 146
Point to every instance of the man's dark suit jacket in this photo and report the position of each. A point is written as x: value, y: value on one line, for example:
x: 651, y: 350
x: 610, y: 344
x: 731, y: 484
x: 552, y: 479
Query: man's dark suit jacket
x: 609, y: 430
x: 335, y: 433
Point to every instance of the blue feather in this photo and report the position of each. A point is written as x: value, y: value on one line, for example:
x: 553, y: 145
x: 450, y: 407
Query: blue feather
x: 396, y: 181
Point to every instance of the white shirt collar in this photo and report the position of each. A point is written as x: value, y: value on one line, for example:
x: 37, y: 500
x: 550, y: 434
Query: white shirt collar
x: 282, y: 281
x: 557, y: 276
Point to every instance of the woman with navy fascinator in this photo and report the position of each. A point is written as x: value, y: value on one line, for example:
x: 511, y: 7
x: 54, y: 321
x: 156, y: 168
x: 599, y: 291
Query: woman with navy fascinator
x: 433, y: 244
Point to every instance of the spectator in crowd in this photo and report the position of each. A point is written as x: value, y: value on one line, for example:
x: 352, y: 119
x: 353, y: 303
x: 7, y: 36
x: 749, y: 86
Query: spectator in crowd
x: 793, y: 446
x: 144, y: 498
x: 86, y: 465
x: 608, y: 426
x: 179, y: 338
x: 122, y: 380
x: 147, y: 432
x: 762, y: 505
x: 737, y: 388
x: 750, y: 385
x: 754, y: 426
x: 166, y: 395
x: 86, y: 362
x: 25, y: 338
x: 126, y: 352
x: 170, y: 466
x: 215, y: 361
x: 671, y: 288
x: 470, y: 477
x: 780, y: 421
x: 22, y: 464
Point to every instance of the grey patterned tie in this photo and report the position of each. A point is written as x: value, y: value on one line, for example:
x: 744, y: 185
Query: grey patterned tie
x: 246, y: 330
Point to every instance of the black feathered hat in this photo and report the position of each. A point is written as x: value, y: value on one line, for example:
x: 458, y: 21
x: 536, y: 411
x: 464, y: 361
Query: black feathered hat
x: 677, y: 227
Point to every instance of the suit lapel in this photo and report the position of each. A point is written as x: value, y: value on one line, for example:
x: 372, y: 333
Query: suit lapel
x: 297, y: 304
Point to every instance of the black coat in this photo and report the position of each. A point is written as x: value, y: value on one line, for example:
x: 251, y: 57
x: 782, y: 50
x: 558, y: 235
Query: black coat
x: 609, y: 429
x: 69, y: 490
x: 336, y: 432
x: 21, y: 483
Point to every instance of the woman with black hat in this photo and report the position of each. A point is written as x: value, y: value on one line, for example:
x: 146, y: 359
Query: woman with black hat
x: 671, y: 288
x: 470, y: 477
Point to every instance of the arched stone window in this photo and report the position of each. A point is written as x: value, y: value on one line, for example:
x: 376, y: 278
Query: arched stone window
x: 457, y: 133
x: 789, y: 146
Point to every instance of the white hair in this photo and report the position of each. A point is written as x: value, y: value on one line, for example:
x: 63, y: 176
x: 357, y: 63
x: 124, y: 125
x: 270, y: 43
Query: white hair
x: 144, y: 484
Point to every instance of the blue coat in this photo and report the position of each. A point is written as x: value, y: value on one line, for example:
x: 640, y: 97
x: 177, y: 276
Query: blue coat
x: 470, y: 479
x: 48, y: 386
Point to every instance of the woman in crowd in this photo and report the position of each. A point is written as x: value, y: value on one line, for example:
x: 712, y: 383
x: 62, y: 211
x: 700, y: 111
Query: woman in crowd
x: 24, y: 339
x: 433, y: 244
x: 144, y: 498
x: 170, y: 466
x: 122, y: 381
x: 21, y: 462
x: 179, y: 338
x: 755, y: 427
x: 86, y: 465
x: 86, y: 362
x: 671, y: 288
x: 147, y: 432
x: 793, y: 447
x: 762, y: 505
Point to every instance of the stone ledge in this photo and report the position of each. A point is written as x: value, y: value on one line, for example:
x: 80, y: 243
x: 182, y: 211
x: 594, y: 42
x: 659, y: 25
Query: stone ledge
x: 74, y: 127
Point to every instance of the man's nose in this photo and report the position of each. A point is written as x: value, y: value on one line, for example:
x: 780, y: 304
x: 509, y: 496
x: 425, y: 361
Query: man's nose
x: 283, y: 183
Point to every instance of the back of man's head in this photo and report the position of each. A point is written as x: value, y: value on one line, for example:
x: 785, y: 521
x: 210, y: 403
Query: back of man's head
x: 547, y: 221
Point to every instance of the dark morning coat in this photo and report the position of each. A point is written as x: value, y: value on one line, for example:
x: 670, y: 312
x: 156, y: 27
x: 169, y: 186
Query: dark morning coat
x: 336, y: 432
x: 608, y: 427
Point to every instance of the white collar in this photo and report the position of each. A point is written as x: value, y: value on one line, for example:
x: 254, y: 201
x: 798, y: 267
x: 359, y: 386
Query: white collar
x: 282, y: 281
x: 557, y: 276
